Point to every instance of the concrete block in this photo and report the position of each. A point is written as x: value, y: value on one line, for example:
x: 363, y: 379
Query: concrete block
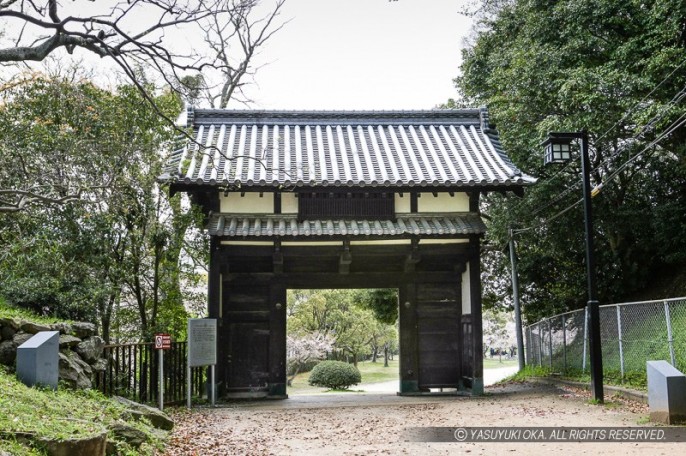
x: 38, y: 360
x: 666, y: 393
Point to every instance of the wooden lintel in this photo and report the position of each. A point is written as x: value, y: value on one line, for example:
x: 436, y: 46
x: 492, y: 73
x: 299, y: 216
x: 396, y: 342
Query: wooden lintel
x: 277, y: 258
x: 345, y: 259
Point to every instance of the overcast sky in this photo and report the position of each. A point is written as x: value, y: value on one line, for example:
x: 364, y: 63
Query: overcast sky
x: 362, y: 54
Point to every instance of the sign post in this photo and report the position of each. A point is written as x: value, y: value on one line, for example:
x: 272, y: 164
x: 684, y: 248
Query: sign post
x: 162, y: 343
x: 202, y: 351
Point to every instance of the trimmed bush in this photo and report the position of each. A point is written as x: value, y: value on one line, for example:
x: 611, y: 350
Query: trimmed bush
x: 335, y: 375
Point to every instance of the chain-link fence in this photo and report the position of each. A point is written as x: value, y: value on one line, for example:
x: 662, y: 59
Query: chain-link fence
x: 630, y: 335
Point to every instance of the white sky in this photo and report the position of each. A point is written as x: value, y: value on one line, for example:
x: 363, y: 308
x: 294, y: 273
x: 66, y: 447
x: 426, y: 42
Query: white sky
x: 362, y: 54
x: 340, y: 54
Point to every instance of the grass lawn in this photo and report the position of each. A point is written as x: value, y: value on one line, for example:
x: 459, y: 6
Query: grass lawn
x: 376, y: 373
x: 496, y: 364
x: 371, y: 373
x: 59, y: 415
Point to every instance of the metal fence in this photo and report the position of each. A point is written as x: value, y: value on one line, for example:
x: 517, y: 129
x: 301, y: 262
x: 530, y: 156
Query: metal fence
x: 132, y: 372
x: 630, y: 335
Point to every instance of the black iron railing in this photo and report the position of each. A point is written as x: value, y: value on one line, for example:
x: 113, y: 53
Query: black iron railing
x: 133, y: 372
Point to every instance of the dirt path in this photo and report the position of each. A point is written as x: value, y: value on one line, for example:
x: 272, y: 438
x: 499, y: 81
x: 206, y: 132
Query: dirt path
x: 374, y: 424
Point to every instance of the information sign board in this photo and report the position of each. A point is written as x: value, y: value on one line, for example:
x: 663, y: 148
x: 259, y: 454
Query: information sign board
x: 202, y: 342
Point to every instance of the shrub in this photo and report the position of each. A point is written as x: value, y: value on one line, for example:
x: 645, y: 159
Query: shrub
x: 335, y: 375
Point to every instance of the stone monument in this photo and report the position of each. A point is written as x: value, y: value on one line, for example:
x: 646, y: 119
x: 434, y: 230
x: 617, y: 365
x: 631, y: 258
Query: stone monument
x: 666, y: 393
x: 38, y: 359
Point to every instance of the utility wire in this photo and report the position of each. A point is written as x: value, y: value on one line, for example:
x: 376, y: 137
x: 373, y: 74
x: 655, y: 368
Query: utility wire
x: 626, y: 115
x: 671, y: 129
x: 677, y: 98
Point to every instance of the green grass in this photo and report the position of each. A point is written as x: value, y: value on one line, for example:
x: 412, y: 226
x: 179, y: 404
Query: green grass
x: 376, y: 373
x: 496, y: 364
x: 642, y: 341
x: 58, y: 415
x: 10, y: 311
x: 371, y: 373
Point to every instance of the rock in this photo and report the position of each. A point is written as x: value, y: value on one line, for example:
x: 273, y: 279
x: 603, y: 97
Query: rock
x: 8, y: 352
x: 21, y: 337
x: 88, y: 446
x: 33, y: 328
x: 74, y: 371
x: 68, y: 341
x: 82, y: 329
x: 129, y: 434
x: 13, y: 323
x: 7, y: 333
x: 137, y: 411
x: 99, y: 365
x: 63, y: 328
x: 91, y: 349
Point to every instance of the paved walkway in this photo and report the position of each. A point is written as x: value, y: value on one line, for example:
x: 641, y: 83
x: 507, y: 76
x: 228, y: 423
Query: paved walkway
x: 376, y: 423
x: 374, y: 394
x: 491, y: 377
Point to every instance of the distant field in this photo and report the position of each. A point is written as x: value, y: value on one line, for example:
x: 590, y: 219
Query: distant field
x: 376, y: 373
x: 371, y: 373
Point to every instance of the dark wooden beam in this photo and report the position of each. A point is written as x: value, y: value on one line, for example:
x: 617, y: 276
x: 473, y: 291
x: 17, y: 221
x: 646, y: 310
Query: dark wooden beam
x: 345, y: 259
x: 413, y: 257
x: 277, y: 258
x: 409, y: 362
x: 477, y: 373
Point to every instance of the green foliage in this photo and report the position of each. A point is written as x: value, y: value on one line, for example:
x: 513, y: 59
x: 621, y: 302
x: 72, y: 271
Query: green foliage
x: 568, y: 65
x: 341, y: 315
x: 120, y: 243
x: 10, y: 311
x: 383, y: 302
x: 61, y: 415
x: 335, y: 375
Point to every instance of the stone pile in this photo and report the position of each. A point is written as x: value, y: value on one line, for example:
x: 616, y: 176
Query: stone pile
x: 81, y: 349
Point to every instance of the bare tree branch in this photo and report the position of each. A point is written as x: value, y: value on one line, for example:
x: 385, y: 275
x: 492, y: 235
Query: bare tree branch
x: 231, y: 31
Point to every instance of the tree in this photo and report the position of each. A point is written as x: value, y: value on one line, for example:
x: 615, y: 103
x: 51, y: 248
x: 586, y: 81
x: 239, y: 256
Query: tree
x: 383, y: 302
x: 138, y: 47
x: 119, y: 244
x: 382, y: 338
x: 499, y: 331
x: 234, y: 44
x: 341, y: 315
x: 304, y: 349
x: 616, y: 69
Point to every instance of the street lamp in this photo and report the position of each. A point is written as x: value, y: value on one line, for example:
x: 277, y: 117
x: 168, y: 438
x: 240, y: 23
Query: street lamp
x: 557, y: 150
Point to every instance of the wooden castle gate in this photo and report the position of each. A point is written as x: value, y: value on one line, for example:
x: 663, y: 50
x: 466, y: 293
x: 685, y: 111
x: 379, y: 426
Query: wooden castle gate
x: 345, y: 200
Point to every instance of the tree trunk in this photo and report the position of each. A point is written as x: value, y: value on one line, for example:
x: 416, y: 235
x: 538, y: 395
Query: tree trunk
x: 374, y: 354
x: 289, y: 381
x: 385, y: 355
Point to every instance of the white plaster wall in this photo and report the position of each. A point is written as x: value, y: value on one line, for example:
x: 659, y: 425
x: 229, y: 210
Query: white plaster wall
x: 466, y: 296
x: 289, y: 203
x: 252, y: 202
x: 402, y: 204
x: 443, y: 202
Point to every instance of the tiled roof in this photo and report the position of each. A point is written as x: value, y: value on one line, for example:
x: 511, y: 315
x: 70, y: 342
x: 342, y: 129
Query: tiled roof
x: 255, y: 226
x: 439, y: 148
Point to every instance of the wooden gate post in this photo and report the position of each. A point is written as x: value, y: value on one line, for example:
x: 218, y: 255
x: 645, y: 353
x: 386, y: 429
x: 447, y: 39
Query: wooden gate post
x: 409, y: 366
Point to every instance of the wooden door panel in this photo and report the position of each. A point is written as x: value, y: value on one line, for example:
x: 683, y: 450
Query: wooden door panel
x: 248, y: 363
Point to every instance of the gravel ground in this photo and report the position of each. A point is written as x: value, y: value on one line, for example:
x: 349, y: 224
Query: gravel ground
x: 374, y: 424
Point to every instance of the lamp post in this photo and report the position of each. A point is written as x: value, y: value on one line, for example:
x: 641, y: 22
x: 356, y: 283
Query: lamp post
x: 557, y: 150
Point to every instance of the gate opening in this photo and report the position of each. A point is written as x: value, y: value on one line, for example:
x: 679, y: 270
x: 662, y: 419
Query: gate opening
x: 355, y: 326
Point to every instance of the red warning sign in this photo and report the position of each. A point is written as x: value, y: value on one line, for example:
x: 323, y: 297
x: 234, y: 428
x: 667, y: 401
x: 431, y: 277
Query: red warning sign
x: 162, y: 341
